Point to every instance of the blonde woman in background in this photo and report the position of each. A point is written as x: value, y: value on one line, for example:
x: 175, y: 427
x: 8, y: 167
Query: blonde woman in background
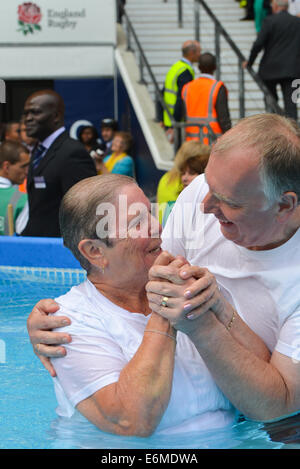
x: 190, y: 161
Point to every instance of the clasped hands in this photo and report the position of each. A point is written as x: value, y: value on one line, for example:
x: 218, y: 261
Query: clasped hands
x: 194, y: 301
x: 194, y: 305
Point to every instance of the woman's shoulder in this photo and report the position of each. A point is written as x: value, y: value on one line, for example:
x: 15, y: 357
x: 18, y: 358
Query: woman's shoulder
x: 77, y: 305
x: 75, y: 294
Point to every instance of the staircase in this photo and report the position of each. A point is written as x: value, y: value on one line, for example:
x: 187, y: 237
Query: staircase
x: 157, y: 29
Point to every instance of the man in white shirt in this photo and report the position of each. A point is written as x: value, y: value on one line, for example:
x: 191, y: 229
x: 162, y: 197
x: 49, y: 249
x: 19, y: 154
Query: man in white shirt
x: 244, y: 254
x: 247, y: 251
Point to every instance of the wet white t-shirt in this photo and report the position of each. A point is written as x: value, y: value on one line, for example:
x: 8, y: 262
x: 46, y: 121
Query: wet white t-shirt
x: 105, y: 337
x: 263, y: 286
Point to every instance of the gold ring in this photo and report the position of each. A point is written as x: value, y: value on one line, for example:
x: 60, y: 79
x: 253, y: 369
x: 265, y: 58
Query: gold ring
x: 164, y: 301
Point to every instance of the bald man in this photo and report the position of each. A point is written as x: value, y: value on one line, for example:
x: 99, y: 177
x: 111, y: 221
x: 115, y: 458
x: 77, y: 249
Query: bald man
x: 57, y: 162
x: 178, y: 75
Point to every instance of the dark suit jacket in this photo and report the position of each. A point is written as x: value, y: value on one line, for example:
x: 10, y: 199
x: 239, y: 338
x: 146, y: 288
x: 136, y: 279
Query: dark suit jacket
x: 65, y: 163
x: 279, y: 37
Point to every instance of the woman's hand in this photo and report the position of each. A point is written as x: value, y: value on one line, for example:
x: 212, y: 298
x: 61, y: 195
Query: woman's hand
x: 192, y: 293
x: 46, y: 344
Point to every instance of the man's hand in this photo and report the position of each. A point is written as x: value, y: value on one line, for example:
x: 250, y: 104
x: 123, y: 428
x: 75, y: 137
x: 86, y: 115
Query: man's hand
x: 192, y: 294
x: 45, y: 342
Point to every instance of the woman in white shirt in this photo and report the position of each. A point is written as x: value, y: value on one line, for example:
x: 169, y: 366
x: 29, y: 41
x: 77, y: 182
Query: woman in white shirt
x: 126, y: 369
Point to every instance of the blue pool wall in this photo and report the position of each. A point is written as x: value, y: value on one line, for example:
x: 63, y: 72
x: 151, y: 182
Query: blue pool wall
x: 36, y: 252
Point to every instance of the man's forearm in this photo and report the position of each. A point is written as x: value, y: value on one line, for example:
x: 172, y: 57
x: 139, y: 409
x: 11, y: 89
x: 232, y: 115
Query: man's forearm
x: 253, y: 385
x: 244, y: 335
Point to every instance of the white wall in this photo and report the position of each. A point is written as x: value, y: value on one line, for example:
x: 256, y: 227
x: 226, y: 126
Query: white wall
x: 70, y: 38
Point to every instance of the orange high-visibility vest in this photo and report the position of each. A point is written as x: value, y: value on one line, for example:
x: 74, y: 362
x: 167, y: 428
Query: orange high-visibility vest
x: 22, y: 187
x: 200, y: 98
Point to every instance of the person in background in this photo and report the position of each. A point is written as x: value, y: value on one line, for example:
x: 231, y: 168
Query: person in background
x: 194, y: 166
x: 29, y: 142
x: 88, y: 136
x: 249, y: 10
x: 262, y: 8
x: 119, y: 162
x: 108, y: 128
x: 206, y: 102
x: 279, y: 38
x: 190, y: 160
x: 120, y: 10
x: 12, y: 132
x: 14, y: 163
x: 180, y: 73
x: 57, y: 162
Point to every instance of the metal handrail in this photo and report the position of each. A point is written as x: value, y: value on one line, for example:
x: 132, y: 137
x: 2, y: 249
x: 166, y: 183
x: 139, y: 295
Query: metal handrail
x: 179, y: 13
x: 272, y: 104
x: 220, y: 31
x: 143, y: 62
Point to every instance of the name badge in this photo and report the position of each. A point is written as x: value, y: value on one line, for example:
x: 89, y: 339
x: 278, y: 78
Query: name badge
x: 39, y: 182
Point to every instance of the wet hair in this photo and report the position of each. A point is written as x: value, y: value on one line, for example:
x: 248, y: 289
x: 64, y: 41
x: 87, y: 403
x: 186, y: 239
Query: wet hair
x: 77, y: 214
x: 11, y: 151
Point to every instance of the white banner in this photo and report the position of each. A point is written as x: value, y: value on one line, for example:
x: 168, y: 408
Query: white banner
x: 57, y: 21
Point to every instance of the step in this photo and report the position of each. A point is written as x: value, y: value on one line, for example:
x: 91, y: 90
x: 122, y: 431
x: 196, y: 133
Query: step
x: 156, y: 26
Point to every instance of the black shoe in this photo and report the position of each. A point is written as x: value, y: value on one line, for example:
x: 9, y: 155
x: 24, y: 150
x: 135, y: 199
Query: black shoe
x: 247, y: 18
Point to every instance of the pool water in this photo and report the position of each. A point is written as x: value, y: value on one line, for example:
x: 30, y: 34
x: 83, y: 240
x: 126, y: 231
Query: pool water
x: 27, y: 407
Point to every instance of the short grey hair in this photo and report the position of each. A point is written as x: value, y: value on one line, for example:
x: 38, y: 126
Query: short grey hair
x: 276, y: 139
x: 77, y: 214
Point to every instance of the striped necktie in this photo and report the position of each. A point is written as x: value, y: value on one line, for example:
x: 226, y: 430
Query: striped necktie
x: 38, y: 155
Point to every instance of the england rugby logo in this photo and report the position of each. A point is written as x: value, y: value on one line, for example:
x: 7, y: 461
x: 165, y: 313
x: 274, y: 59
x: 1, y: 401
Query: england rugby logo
x: 29, y: 16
